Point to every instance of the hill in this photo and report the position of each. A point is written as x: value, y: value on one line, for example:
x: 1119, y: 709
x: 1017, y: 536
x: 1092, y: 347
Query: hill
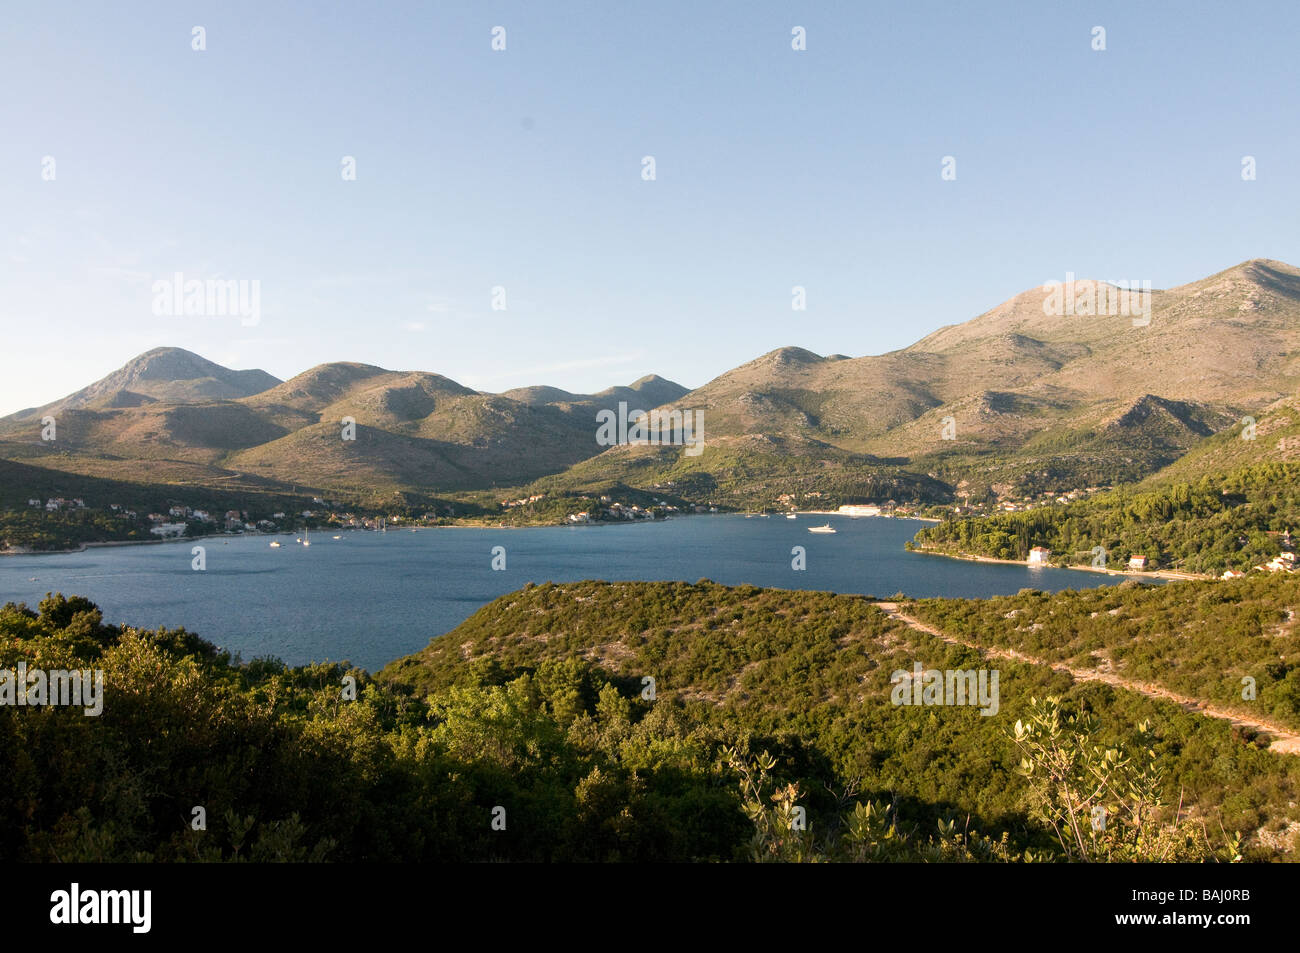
x: 1017, y: 400
x: 815, y: 669
x: 190, y: 421
x: 1271, y: 435
x: 165, y: 374
x: 1024, y: 399
x: 650, y: 391
x: 630, y: 722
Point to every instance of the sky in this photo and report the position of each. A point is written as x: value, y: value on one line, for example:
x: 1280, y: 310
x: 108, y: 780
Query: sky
x: 127, y: 156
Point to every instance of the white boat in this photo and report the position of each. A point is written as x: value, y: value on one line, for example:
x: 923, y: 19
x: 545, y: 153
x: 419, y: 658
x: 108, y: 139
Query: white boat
x: 275, y: 544
x: 790, y: 516
x: 338, y: 537
x: 821, y: 529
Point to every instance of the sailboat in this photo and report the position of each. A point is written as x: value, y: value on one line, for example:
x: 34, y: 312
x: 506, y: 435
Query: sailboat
x: 821, y: 529
x: 306, y: 536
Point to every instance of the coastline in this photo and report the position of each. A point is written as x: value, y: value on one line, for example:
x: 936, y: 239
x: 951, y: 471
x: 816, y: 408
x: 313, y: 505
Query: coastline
x: 878, y: 516
x: 82, y: 547
x: 465, y: 524
x: 1169, y: 575
x: 100, y: 543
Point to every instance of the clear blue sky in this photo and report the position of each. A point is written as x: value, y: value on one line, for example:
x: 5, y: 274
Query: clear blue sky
x: 522, y: 169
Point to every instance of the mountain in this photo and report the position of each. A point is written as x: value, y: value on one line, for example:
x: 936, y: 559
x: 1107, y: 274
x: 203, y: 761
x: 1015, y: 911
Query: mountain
x: 1269, y: 436
x: 187, y: 420
x: 650, y: 391
x: 163, y: 375
x: 1028, y: 399
x: 1029, y: 396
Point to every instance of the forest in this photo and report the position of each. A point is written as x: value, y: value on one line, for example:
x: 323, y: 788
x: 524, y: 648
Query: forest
x: 36, y: 530
x: 1229, y: 521
x: 531, y: 733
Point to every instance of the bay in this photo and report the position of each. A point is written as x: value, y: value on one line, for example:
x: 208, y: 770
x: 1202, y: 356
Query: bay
x: 373, y: 597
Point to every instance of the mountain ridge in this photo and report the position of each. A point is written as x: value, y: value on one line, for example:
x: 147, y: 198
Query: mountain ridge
x: 1014, y: 397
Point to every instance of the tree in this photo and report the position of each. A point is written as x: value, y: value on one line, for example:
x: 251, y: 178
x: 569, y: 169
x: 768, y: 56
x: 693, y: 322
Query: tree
x: 1104, y: 803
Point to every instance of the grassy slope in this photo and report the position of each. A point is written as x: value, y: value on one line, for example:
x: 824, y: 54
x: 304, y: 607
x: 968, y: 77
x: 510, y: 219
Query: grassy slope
x: 814, y: 669
x: 1198, y: 639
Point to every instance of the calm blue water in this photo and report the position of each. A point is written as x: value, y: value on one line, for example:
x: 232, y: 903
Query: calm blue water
x: 373, y: 597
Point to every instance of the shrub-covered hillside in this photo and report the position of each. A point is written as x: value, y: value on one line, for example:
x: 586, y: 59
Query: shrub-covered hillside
x: 530, y: 733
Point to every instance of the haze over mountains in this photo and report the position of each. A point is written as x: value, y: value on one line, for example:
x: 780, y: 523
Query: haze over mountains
x: 1024, y: 398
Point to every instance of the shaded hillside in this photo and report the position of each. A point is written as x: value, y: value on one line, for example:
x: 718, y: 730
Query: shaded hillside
x: 1275, y: 437
x: 32, y: 528
x: 752, y: 472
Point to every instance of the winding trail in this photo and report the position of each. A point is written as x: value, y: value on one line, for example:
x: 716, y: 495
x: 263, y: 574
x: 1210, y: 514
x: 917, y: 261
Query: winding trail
x: 1284, y: 740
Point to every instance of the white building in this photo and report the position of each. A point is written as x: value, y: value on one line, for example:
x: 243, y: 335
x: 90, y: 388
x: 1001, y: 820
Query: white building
x: 858, y: 509
x: 1038, y: 556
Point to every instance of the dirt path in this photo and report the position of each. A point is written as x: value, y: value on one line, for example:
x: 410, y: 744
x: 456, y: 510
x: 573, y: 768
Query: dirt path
x: 1284, y: 740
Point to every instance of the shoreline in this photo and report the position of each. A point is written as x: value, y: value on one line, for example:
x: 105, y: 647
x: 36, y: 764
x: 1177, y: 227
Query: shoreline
x: 107, y: 543
x: 850, y: 516
x: 99, y: 544
x: 1169, y: 575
